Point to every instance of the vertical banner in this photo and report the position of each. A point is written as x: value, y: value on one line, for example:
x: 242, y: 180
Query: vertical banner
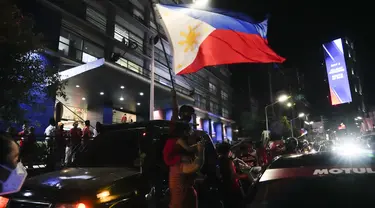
x: 337, y: 73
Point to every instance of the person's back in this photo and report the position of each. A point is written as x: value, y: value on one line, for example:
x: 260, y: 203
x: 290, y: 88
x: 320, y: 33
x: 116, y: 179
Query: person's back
x: 230, y: 189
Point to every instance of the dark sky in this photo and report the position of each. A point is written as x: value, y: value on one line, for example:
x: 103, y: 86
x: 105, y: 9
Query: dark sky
x: 296, y: 31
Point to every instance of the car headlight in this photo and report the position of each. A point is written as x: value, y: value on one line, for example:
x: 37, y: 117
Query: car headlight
x: 350, y: 149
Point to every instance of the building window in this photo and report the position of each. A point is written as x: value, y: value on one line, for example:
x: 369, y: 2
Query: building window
x: 214, y: 107
x: 75, y: 47
x: 121, y: 34
x: 96, y: 18
x: 64, y: 46
x: 224, y: 113
x: 138, y: 15
x: 91, y: 52
x: 224, y: 95
x: 212, y: 88
x: 200, y: 101
x: 130, y: 65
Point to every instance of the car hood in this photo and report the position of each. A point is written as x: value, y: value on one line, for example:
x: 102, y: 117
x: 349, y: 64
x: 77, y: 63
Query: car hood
x: 79, y: 178
x: 73, y: 183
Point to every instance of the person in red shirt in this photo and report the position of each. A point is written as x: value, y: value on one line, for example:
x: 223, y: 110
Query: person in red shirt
x: 73, y: 143
x: 87, y: 133
x: 124, y: 119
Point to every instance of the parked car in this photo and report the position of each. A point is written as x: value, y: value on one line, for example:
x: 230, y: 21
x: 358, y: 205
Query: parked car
x: 123, y: 167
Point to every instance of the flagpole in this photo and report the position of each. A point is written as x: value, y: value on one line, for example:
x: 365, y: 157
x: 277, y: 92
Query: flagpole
x: 162, y: 43
x: 152, y: 77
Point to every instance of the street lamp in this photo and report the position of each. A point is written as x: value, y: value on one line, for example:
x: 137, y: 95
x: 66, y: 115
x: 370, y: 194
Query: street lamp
x: 280, y: 99
x: 283, y: 98
x: 289, y: 105
x: 300, y: 115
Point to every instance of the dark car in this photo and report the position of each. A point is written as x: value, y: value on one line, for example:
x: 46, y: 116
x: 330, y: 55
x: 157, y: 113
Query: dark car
x: 123, y: 167
x: 324, y: 179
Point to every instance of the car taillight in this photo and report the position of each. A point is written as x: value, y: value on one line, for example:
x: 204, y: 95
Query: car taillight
x: 3, y: 202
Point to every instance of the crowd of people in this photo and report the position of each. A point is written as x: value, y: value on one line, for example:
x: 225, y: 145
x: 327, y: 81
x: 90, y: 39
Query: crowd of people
x: 61, y: 144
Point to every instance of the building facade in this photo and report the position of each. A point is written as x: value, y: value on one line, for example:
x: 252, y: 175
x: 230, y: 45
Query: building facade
x: 104, y: 52
x: 349, y: 112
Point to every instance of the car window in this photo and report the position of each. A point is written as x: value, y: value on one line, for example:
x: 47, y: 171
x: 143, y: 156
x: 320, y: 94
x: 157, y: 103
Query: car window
x: 335, y: 191
x: 114, y: 149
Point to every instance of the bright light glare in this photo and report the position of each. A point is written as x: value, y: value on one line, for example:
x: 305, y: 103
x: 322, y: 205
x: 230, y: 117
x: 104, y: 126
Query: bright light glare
x: 350, y: 150
x: 289, y: 104
x: 312, y: 122
x: 103, y: 194
x: 201, y: 3
x: 359, y: 118
x: 301, y: 115
x: 283, y: 98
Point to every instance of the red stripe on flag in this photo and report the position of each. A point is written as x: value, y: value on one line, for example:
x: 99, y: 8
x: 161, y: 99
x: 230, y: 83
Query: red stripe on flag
x: 229, y: 47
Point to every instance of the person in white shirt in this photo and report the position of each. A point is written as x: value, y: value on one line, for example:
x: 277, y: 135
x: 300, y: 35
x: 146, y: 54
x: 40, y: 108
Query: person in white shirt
x: 50, y: 132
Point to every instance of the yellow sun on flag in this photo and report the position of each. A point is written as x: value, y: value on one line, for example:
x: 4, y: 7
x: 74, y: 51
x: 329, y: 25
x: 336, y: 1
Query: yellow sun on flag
x: 190, y: 39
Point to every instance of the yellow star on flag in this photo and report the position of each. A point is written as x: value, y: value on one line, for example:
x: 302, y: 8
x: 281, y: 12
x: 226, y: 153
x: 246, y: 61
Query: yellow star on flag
x: 190, y: 39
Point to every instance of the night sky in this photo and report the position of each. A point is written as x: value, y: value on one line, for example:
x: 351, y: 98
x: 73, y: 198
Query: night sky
x: 297, y: 30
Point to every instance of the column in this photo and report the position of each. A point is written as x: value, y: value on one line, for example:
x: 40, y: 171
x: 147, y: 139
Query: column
x: 228, y: 129
x: 102, y: 114
x: 207, y: 125
x: 107, y: 115
x: 219, y: 132
x: 168, y: 114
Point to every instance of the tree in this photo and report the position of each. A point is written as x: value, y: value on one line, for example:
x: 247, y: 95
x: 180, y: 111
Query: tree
x: 24, y: 77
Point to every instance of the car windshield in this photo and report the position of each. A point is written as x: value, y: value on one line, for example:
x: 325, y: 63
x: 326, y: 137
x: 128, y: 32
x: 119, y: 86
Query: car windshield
x: 332, y: 191
x: 114, y: 149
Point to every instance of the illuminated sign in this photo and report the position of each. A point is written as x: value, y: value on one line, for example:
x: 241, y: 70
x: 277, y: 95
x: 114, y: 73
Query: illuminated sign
x: 337, y: 73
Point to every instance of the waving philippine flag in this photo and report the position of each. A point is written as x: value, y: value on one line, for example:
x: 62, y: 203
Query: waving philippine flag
x: 206, y: 38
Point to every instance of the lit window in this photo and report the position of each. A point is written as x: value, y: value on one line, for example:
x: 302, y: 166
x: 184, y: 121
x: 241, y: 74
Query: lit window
x: 214, y: 107
x: 352, y: 72
x: 121, y: 34
x: 349, y: 54
x: 130, y: 65
x: 212, y: 88
x: 224, y: 95
x: 64, y: 46
x: 224, y: 113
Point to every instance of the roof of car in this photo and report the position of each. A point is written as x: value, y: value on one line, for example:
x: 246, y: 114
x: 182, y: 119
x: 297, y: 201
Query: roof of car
x: 323, y: 159
x: 154, y: 123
